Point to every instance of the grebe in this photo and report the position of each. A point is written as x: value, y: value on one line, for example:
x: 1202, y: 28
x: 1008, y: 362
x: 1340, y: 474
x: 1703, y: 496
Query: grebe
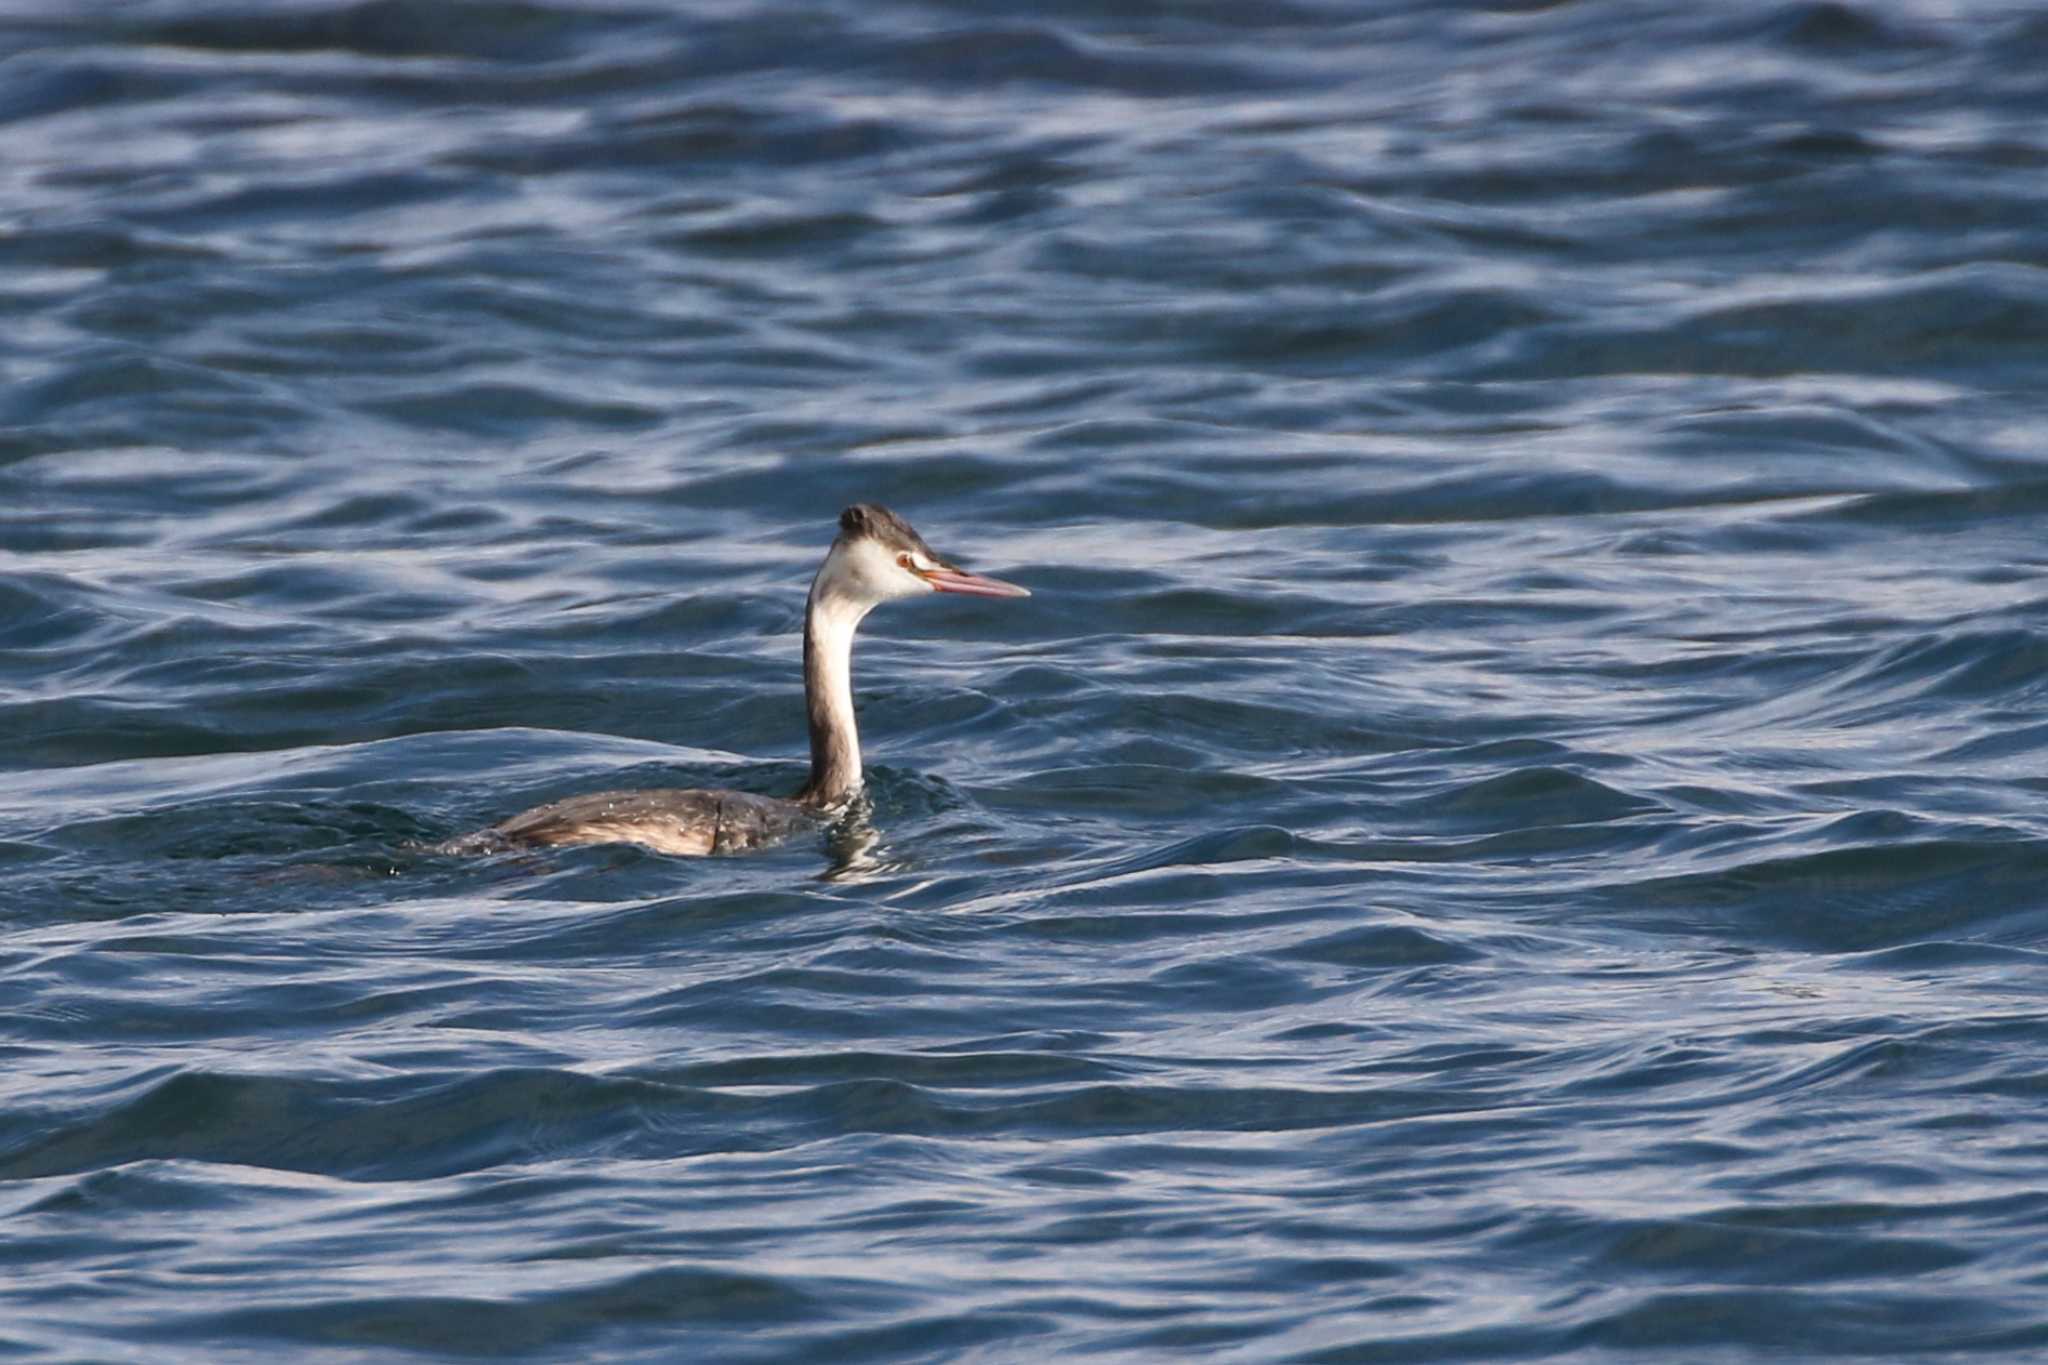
x: 875, y: 558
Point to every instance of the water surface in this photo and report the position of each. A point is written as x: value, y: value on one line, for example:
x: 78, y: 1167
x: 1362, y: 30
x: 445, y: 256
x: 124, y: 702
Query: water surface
x: 1511, y: 826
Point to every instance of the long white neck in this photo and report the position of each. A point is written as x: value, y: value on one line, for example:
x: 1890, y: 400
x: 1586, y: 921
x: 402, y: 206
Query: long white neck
x: 830, y: 620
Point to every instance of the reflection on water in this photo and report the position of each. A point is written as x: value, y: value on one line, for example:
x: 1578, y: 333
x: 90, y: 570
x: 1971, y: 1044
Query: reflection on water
x: 855, y: 848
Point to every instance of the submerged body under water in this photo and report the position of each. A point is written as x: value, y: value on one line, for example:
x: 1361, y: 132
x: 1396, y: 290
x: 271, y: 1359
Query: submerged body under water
x: 1510, y: 827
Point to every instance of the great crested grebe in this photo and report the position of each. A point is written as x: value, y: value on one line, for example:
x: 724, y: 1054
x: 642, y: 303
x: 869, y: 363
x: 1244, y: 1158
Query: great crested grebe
x: 875, y: 558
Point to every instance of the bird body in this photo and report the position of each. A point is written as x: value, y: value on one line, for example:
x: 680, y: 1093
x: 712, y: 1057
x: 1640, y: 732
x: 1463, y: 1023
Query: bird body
x: 876, y: 558
x: 694, y: 822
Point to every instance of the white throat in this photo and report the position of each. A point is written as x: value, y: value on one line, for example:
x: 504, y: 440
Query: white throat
x: 857, y: 575
x: 830, y: 621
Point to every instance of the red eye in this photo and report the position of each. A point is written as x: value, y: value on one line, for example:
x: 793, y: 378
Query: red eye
x: 907, y: 562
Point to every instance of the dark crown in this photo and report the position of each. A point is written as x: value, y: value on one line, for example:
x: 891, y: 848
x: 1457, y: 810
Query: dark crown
x: 872, y: 520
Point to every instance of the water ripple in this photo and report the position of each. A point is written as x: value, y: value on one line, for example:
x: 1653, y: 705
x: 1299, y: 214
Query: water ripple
x: 1508, y: 827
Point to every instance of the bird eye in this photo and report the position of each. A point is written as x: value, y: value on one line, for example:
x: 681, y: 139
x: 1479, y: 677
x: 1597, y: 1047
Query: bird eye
x: 907, y: 562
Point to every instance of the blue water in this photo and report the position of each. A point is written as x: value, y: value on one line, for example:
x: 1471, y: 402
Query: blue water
x: 1513, y: 826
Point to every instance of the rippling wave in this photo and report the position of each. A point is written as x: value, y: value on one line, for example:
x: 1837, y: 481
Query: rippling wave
x: 1510, y: 827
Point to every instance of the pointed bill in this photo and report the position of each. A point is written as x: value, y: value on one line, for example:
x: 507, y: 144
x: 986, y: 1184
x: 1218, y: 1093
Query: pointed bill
x: 972, y: 584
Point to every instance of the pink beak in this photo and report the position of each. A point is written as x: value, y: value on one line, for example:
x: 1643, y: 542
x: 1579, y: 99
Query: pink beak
x: 973, y: 584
